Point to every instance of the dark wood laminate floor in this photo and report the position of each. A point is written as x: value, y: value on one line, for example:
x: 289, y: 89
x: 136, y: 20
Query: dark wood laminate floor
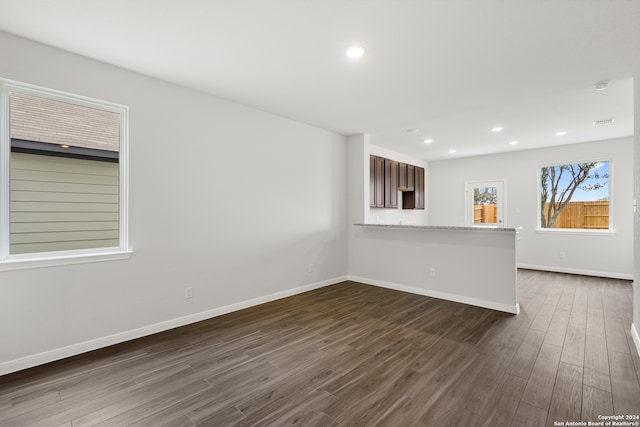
x: 351, y: 355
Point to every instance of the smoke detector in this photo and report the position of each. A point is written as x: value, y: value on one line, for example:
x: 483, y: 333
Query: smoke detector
x: 601, y: 85
x: 603, y: 122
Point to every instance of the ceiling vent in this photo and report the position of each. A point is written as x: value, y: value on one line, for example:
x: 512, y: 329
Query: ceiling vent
x: 603, y: 122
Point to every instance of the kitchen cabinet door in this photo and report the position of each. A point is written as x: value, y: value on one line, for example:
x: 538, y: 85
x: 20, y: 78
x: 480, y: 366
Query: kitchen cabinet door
x: 402, y: 175
x: 419, y: 188
x: 411, y: 170
x: 390, y: 183
x: 376, y: 182
x: 372, y: 181
x: 415, y: 199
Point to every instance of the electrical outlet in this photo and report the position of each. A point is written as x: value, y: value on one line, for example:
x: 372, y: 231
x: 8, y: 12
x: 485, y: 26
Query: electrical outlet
x: 563, y: 255
x: 432, y: 272
x: 188, y: 292
x: 310, y: 268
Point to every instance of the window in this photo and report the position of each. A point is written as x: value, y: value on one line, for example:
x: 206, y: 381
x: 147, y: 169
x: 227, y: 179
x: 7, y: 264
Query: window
x: 575, y: 196
x: 63, y: 192
x: 485, y: 204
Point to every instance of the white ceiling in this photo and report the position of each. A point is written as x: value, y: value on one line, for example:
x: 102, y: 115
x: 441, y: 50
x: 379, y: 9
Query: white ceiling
x: 452, y: 68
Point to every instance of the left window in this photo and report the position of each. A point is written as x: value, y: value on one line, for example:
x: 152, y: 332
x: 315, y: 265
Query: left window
x: 63, y: 187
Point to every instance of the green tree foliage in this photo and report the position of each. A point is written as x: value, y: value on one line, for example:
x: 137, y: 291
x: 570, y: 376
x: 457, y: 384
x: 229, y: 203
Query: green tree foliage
x: 553, y: 198
x: 485, y: 196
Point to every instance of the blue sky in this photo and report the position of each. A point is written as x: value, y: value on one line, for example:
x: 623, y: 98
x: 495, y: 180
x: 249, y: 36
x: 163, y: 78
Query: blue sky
x: 581, y: 195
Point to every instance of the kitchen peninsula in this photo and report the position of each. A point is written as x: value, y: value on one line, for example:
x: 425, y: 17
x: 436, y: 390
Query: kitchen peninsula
x: 471, y: 265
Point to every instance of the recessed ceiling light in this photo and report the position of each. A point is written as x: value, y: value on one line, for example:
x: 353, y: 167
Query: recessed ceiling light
x: 413, y: 130
x: 497, y: 129
x: 355, y: 51
x: 561, y: 133
x: 513, y: 142
x: 428, y: 141
x: 64, y: 146
x: 452, y: 151
x: 601, y: 85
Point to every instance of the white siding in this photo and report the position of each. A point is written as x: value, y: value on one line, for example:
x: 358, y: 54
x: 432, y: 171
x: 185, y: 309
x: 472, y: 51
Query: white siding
x: 62, y: 203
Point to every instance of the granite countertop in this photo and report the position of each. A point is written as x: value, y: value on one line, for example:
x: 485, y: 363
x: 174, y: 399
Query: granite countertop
x: 443, y: 228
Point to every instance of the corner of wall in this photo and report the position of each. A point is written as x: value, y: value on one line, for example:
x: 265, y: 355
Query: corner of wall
x: 636, y: 338
x: 636, y: 214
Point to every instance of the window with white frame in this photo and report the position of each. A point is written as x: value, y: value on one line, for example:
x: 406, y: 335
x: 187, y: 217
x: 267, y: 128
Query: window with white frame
x: 575, y: 196
x: 63, y: 189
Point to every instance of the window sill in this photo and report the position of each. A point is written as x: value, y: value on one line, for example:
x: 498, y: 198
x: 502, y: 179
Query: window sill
x: 576, y: 231
x: 58, y: 260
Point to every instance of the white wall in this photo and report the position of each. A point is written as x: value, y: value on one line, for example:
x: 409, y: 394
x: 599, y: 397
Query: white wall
x: 606, y: 255
x: 403, y: 259
x: 398, y: 215
x: 227, y: 199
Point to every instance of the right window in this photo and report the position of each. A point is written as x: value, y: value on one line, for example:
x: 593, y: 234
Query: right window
x: 575, y: 196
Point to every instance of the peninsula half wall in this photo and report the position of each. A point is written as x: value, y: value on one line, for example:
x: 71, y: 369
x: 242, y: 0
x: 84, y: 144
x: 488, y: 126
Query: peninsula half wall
x: 471, y: 265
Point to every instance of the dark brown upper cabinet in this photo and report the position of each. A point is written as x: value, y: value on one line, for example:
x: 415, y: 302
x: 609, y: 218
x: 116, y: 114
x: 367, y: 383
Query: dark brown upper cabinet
x: 376, y: 182
x: 419, y: 187
x: 406, y: 177
x: 414, y: 199
x: 402, y: 176
x: 387, y: 177
x: 372, y: 181
x: 390, y: 183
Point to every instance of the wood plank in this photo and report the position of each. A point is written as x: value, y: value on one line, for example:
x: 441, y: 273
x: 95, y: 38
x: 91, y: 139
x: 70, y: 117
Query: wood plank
x: 540, y: 385
x: 574, y: 342
x: 595, y: 312
x: 580, y: 302
x: 486, y: 381
x: 543, y: 319
x: 504, y: 402
x: 621, y: 365
x: 566, y: 402
x: 560, y: 320
x: 529, y: 416
x: 626, y: 395
x: 596, y: 357
x: 595, y: 379
x: 616, y: 337
x: 625, y: 388
x: 524, y: 359
x: 23, y: 404
x: 595, y: 402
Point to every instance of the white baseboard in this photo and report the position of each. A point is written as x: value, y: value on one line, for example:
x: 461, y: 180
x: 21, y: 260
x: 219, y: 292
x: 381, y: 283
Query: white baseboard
x: 636, y: 338
x: 83, y: 347
x: 608, y: 274
x: 513, y: 309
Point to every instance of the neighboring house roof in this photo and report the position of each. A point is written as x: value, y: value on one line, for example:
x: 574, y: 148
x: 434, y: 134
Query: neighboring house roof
x: 44, y: 120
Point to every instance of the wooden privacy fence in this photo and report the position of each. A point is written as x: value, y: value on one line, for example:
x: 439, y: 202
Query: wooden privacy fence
x: 591, y: 215
x: 485, y: 214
